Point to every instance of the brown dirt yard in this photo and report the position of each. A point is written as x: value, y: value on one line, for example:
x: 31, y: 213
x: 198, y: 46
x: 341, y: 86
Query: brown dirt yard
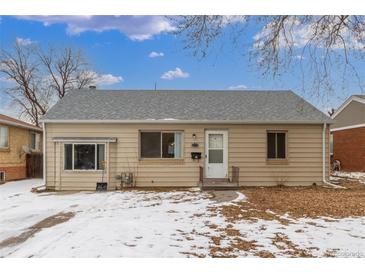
x: 310, y: 201
x: 296, y: 209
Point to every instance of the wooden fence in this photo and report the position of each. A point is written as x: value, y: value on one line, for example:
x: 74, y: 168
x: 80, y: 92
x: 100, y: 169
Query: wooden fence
x: 34, y: 165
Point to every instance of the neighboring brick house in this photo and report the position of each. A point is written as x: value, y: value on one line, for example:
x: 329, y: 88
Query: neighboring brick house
x: 348, y: 133
x: 17, y: 138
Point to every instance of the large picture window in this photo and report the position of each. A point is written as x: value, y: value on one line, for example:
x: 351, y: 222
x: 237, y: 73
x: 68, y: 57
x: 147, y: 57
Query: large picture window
x: 160, y: 145
x: 84, y: 156
x: 276, y: 145
x: 4, y: 137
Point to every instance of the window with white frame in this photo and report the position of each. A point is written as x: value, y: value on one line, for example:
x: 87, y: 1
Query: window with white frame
x: 4, y: 137
x: 35, y: 141
x: 276, y: 145
x: 84, y: 156
x: 161, y: 144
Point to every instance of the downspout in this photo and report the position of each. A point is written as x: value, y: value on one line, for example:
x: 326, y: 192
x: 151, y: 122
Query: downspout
x: 44, y: 154
x: 324, y: 154
x: 325, y: 182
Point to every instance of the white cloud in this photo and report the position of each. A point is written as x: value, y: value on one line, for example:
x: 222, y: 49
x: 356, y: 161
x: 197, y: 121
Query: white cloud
x: 136, y: 28
x: 104, y: 79
x: 23, y: 41
x: 155, y: 54
x: 107, y: 79
x: 237, y: 87
x: 172, y: 74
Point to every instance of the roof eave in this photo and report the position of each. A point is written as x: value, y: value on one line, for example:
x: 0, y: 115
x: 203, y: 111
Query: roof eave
x: 329, y: 121
x: 10, y: 123
x: 346, y: 103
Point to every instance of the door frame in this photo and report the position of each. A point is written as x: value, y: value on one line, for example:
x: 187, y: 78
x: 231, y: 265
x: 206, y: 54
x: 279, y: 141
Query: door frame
x: 225, y: 151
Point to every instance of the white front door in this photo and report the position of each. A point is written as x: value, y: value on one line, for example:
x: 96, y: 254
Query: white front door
x: 216, y: 154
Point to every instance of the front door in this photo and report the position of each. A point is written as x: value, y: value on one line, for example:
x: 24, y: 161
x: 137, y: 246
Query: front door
x: 216, y: 154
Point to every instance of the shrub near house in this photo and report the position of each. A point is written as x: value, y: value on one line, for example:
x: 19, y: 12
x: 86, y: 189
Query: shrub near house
x: 15, y: 137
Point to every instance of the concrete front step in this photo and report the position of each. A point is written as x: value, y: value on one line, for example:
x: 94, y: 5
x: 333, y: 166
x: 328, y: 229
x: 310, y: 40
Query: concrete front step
x: 226, y: 187
x: 218, y: 184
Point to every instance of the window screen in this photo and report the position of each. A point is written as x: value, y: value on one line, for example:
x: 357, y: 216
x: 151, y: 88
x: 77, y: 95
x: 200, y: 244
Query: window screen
x: 161, y: 144
x: 150, y: 144
x: 100, y: 156
x: 35, y: 141
x: 276, y: 145
x: 271, y: 140
x: 168, y: 145
x: 281, y: 147
x: 84, y: 156
x: 4, y: 137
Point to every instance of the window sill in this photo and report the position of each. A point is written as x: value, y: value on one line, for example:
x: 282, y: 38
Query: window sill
x: 82, y: 171
x: 4, y: 149
x: 277, y: 161
x: 162, y: 160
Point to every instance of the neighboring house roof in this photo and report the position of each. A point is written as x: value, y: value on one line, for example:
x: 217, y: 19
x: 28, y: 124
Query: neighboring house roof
x: 356, y: 98
x: 7, y: 120
x: 174, y: 106
x: 350, y: 115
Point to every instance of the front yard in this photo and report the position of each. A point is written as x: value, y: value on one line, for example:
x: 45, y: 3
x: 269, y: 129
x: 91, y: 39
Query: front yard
x: 261, y: 222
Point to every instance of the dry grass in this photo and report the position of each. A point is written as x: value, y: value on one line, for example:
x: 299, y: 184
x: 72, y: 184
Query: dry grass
x: 272, y: 203
x: 282, y: 242
x: 307, y: 201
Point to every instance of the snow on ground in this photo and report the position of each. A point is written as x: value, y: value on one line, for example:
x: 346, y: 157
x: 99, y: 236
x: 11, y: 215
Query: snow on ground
x: 140, y: 223
x: 360, y: 176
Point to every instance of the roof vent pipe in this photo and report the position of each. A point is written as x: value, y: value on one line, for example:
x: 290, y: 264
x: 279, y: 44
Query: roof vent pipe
x: 92, y: 87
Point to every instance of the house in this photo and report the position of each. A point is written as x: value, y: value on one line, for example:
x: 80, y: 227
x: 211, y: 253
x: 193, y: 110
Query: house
x: 348, y: 134
x: 17, y: 138
x: 179, y: 138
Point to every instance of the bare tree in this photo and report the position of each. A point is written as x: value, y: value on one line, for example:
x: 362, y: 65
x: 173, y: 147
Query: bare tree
x: 67, y: 70
x: 21, y: 70
x: 327, y: 48
x: 38, y: 79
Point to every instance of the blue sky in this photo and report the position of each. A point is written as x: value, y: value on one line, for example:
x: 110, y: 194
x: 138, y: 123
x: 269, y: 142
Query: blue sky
x: 120, y: 50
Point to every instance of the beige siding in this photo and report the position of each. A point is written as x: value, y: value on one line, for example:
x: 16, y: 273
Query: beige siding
x: 352, y: 114
x: 247, y: 150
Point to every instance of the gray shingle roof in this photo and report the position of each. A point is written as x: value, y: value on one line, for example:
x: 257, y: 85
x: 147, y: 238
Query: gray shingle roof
x: 188, y: 105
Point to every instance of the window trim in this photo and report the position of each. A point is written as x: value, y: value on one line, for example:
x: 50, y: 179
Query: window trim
x: 286, y: 146
x: 73, y: 157
x: 160, y: 158
x: 8, y: 141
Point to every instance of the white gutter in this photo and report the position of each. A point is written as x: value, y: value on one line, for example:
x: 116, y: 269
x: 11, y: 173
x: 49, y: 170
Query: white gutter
x: 173, y: 121
x: 11, y: 123
x: 347, y: 127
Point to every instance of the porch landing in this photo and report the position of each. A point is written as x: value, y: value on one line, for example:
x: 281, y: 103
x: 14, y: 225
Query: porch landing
x: 218, y: 184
